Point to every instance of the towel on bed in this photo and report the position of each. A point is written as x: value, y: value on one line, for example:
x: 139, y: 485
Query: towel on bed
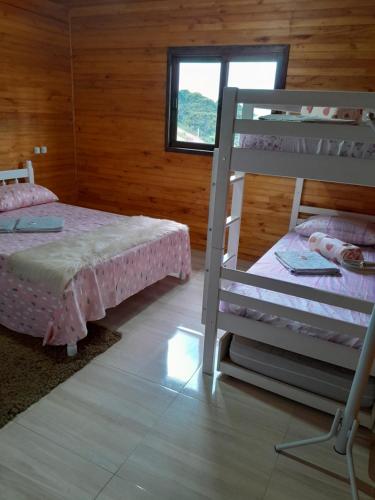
x: 334, y: 249
x: 57, y: 262
x: 44, y: 224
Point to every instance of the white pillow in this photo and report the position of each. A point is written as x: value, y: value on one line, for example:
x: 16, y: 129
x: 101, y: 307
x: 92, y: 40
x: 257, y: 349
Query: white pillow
x: 348, y: 229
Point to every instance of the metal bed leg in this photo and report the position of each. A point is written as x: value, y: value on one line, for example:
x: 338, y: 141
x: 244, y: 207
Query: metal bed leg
x: 350, y: 463
x: 319, y: 439
x: 71, y: 349
x: 327, y: 437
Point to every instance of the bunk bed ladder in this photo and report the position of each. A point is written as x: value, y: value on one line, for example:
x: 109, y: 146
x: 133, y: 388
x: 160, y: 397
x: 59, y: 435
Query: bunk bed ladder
x: 209, y: 232
x: 221, y: 179
x: 237, y: 180
x: 233, y: 222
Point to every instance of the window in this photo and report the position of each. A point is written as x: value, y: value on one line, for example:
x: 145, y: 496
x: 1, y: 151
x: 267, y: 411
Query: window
x: 196, y: 79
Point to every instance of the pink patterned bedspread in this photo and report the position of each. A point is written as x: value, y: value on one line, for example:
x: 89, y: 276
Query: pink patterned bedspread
x: 59, y: 320
x: 350, y: 283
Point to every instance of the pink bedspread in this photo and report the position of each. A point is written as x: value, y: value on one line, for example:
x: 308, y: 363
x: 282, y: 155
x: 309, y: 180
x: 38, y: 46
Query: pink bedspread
x: 60, y: 320
x: 350, y: 283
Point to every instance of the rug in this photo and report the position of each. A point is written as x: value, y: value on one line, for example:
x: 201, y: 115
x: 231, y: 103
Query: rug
x: 29, y: 371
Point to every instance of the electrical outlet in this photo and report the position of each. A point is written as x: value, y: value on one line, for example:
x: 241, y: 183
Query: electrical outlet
x: 37, y: 150
x: 43, y: 150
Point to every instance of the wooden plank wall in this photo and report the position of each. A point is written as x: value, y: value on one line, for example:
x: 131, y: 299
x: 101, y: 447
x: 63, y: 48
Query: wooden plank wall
x: 36, y: 92
x: 119, y: 54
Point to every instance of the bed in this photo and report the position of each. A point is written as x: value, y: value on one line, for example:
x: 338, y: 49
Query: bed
x: 59, y: 317
x: 318, y: 377
x: 349, y: 283
x: 299, y: 337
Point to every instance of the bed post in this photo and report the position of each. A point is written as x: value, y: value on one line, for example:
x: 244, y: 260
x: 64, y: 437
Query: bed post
x: 215, y: 161
x: 296, y: 203
x: 215, y: 248
x: 71, y: 349
x: 30, y: 170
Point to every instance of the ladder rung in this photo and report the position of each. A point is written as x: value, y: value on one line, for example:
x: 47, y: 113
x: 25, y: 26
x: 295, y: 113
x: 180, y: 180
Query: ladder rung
x: 236, y: 177
x: 231, y: 220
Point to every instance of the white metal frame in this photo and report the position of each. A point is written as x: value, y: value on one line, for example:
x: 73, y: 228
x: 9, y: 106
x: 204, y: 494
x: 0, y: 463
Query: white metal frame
x: 26, y: 173
x: 230, y: 164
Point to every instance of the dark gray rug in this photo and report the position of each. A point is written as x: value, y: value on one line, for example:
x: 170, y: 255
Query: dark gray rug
x: 29, y: 371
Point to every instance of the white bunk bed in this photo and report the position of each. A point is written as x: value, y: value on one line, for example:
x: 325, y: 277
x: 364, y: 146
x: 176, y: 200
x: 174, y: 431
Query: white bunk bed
x: 230, y: 164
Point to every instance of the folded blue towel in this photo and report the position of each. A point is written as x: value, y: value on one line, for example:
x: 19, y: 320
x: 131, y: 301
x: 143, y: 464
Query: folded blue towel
x: 39, y: 224
x: 7, y: 225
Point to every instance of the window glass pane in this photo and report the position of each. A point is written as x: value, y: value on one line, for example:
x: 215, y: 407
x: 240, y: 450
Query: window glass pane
x: 252, y: 75
x: 198, y: 93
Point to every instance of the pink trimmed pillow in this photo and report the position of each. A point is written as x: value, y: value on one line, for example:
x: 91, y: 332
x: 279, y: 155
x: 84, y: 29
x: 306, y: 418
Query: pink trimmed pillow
x: 341, y: 113
x: 319, y: 111
x: 14, y: 196
x: 351, y: 230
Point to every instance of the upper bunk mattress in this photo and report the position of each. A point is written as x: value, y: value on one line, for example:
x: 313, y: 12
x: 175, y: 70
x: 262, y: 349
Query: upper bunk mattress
x: 309, y: 145
x: 358, y: 285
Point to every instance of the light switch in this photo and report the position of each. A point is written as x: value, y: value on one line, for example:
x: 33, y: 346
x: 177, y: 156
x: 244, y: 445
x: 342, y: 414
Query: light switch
x: 37, y: 150
x: 43, y: 150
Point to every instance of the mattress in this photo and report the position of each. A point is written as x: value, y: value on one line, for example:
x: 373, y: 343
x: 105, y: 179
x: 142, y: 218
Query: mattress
x: 61, y: 319
x: 299, y: 371
x: 350, y: 283
x: 308, y: 145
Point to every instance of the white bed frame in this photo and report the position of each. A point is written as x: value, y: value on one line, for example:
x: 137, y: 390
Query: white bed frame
x: 16, y: 175
x: 230, y: 164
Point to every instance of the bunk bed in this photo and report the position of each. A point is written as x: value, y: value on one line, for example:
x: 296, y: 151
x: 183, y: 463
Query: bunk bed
x: 264, y: 311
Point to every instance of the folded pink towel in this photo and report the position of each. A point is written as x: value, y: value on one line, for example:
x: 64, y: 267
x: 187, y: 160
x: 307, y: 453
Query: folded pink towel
x: 334, y: 249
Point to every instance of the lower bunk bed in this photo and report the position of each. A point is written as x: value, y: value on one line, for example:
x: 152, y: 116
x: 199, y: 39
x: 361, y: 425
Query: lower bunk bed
x: 274, y: 360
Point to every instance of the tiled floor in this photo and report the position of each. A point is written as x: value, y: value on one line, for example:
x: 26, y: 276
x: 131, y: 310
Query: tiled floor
x: 141, y: 422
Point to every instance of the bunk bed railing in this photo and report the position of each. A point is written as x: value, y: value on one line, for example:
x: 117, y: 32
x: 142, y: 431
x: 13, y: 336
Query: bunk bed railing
x: 337, y: 99
x: 282, y: 164
x: 297, y: 290
x: 346, y: 170
x: 316, y: 320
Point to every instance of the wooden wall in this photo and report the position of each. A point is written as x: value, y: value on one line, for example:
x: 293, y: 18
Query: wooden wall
x: 119, y: 54
x: 36, y: 92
